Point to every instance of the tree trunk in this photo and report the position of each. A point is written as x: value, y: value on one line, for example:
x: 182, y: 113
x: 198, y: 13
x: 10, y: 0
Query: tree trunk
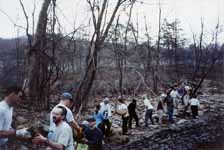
x: 156, y: 70
x: 98, y: 38
x: 38, y: 61
x: 89, y: 76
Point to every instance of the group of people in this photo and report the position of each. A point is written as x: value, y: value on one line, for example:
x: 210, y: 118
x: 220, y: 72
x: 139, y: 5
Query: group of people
x: 169, y: 104
x: 64, y: 130
x: 181, y: 96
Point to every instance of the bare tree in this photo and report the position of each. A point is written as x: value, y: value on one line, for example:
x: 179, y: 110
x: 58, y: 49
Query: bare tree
x: 155, y: 71
x: 207, y: 62
x: 27, y: 24
x: 149, y: 50
x: 41, y: 64
x: 101, y: 29
x: 118, y: 54
x: 198, y: 51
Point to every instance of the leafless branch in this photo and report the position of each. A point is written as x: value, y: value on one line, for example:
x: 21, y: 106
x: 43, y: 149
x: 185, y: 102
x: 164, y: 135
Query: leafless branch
x: 33, y: 17
x: 92, y: 11
x: 119, y: 3
x: 11, y: 20
x: 27, y: 24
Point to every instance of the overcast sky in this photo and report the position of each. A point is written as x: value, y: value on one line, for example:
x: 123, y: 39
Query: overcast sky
x: 71, y: 12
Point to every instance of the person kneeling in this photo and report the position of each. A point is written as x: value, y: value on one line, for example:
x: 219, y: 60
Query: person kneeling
x: 62, y: 137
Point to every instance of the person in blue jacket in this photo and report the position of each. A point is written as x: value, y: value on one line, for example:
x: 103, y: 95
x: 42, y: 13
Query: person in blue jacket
x: 99, y: 117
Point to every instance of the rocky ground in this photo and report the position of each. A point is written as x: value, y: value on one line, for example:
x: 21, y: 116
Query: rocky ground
x: 186, y: 133
x: 25, y: 117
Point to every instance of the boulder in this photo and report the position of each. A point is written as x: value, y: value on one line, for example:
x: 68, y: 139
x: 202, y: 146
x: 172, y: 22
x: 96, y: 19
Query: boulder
x: 181, y: 121
x: 117, y: 137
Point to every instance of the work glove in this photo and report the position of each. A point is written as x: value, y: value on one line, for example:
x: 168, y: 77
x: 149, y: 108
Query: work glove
x: 23, y: 133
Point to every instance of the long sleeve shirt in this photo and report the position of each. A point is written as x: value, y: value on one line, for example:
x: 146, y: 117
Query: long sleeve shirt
x: 105, y: 109
x: 99, y: 118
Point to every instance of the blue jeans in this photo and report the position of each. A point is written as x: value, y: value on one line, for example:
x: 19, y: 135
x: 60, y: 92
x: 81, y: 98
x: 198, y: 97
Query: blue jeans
x: 148, y: 115
x: 170, y: 114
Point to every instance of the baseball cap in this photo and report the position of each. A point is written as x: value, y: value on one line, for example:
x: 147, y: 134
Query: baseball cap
x: 66, y: 95
x: 91, y: 119
x: 85, y: 122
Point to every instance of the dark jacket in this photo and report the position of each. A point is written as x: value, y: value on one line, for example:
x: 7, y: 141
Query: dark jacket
x: 160, y: 106
x: 169, y: 101
x: 94, y: 137
x: 131, y: 108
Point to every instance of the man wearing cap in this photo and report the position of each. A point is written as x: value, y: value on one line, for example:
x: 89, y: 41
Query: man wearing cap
x: 105, y: 109
x: 66, y: 102
x: 93, y: 135
x: 62, y: 138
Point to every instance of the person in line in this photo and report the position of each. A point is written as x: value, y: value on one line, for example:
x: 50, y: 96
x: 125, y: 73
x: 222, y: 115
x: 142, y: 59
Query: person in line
x: 66, y: 102
x: 99, y: 117
x: 194, y: 103
x: 160, y: 109
x: 186, y: 101
x: 122, y: 110
x: 13, y: 97
x: 105, y: 108
x: 132, y: 113
x: 62, y: 137
x: 93, y: 135
x: 148, y: 110
x: 170, y: 106
x: 182, y: 92
x: 175, y: 96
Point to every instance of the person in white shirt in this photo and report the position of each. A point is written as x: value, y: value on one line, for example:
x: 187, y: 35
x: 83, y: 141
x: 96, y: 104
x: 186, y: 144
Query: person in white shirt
x: 186, y: 101
x: 13, y: 98
x: 66, y: 102
x: 176, y: 97
x: 174, y: 93
x: 148, y: 110
x: 105, y: 109
x: 160, y: 107
x: 194, y: 103
x: 122, y: 110
x: 62, y: 137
